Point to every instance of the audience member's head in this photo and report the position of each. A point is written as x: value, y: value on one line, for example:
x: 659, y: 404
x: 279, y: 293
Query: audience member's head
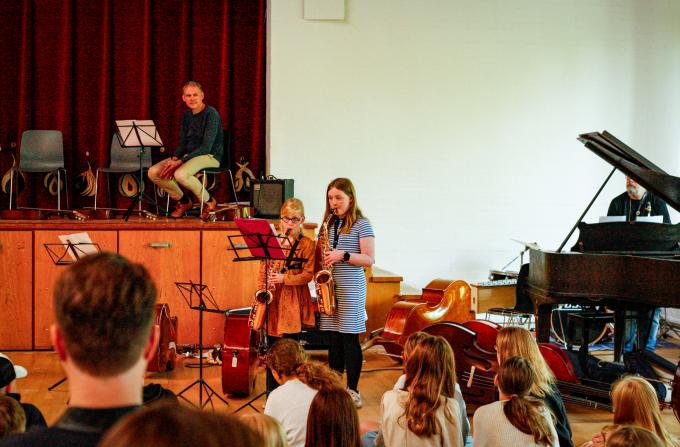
x: 633, y: 436
x: 287, y: 359
x: 515, y: 379
x: 333, y: 420
x: 269, y: 428
x: 513, y: 341
x: 104, y: 307
x: 412, y: 341
x: 285, y: 356
x: 12, y: 417
x: 9, y: 372
x: 635, y: 403
x: 430, y: 375
x: 168, y: 425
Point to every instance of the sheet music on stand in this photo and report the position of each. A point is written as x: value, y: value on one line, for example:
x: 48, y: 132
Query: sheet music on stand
x: 202, y: 292
x: 72, y: 247
x: 138, y: 133
x: 261, y: 242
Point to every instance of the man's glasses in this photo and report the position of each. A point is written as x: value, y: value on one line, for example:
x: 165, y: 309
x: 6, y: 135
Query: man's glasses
x: 291, y: 219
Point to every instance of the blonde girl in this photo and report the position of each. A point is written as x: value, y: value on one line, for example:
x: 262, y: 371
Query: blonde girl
x: 517, y: 419
x: 515, y: 341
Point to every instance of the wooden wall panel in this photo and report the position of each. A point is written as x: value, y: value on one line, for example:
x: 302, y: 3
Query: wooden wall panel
x: 46, y: 273
x: 232, y: 284
x: 16, y: 296
x: 170, y: 256
x: 382, y: 291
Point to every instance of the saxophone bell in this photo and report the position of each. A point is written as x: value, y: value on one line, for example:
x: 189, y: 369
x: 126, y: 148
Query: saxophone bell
x: 323, y: 279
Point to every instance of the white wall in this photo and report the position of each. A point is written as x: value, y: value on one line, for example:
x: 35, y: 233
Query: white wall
x: 457, y: 120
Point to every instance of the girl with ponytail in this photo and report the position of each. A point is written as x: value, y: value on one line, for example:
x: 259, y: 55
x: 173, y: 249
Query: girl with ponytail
x: 513, y: 341
x: 516, y: 419
x: 299, y: 381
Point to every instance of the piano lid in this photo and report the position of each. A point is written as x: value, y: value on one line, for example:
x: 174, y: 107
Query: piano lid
x: 634, y: 165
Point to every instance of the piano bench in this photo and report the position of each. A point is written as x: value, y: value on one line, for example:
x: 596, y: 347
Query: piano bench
x: 585, y: 318
x: 511, y: 316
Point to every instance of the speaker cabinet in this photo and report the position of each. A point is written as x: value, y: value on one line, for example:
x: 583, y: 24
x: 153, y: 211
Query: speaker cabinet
x: 267, y: 196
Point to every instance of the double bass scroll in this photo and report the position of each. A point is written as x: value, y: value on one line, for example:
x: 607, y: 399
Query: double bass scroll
x: 442, y: 300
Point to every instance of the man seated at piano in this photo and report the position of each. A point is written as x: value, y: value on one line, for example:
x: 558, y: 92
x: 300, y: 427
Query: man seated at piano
x: 637, y: 201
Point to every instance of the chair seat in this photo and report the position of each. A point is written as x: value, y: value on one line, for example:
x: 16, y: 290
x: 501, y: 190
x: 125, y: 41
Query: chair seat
x: 122, y: 169
x: 214, y: 170
x: 41, y: 167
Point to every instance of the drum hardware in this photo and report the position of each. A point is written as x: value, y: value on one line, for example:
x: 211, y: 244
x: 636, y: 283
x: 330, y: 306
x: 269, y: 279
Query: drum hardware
x: 198, y: 297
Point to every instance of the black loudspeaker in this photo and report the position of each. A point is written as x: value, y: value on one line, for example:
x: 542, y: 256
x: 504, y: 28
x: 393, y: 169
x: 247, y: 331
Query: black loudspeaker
x: 267, y: 196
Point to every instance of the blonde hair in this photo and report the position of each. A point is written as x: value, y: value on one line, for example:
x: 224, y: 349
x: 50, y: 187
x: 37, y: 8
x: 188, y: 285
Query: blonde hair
x: 192, y: 84
x: 635, y: 403
x: 271, y: 430
x: 513, y: 341
x: 637, y: 436
x: 293, y: 205
x: 413, y: 340
x: 430, y: 376
x: 515, y: 378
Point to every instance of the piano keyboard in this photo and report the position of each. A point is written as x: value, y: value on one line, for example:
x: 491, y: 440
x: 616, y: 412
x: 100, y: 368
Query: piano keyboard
x: 497, y: 282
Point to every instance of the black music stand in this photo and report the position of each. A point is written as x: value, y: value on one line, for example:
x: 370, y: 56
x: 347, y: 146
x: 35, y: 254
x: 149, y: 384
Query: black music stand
x: 263, y: 244
x: 138, y: 134
x: 188, y: 291
x: 60, y: 256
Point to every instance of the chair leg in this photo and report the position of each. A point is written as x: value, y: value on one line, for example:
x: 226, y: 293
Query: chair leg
x: 96, y: 188
x: 233, y: 187
x: 202, y: 191
x: 11, y: 186
x: 59, y: 189
x: 66, y: 190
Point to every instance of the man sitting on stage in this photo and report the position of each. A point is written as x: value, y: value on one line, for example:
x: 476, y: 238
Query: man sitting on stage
x: 637, y: 201
x: 201, y: 145
x: 104, y: 308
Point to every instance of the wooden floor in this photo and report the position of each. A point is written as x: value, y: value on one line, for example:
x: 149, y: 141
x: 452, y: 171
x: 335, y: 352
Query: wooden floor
x: 379, y: 374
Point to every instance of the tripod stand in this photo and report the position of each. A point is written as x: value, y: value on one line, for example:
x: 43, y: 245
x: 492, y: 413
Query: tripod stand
x: 188, y: 290
x: 139, y: 134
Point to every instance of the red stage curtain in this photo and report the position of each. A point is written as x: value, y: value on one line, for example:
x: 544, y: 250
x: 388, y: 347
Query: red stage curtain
x: 78, y: 65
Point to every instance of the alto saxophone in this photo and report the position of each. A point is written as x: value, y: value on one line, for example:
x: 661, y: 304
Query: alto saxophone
x: 323, y: 279
x: 264, y: 296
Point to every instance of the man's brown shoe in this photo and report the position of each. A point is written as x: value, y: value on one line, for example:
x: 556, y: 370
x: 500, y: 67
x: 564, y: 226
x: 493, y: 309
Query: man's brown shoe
x: 208, y: 207
x: 180, y: 209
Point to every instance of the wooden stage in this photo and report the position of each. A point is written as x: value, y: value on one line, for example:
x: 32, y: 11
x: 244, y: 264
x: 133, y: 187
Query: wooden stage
x: 173, y: 250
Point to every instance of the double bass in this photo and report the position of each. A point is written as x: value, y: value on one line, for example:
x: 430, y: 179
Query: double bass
x: 476, y: 367
x: 165, y: 357
x: 441, y: 300
x: 239, y: 353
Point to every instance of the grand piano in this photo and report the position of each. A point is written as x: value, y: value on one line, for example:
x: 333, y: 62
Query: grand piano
x: 622, y: 265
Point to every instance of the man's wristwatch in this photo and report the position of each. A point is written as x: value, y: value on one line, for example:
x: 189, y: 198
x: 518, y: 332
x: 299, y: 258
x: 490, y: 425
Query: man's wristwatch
x: 345, y: 257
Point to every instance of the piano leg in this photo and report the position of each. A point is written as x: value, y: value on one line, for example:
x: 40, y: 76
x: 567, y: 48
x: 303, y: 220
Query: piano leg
x: 619, y: 332
x: 544, y: 314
